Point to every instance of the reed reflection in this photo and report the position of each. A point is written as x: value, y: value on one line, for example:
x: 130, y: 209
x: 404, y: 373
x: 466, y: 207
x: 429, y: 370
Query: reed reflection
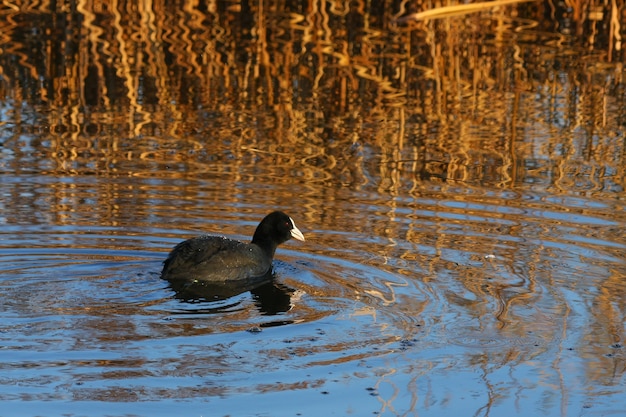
x: 487, y: 99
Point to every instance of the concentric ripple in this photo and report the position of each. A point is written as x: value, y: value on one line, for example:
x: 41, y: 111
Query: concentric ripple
x: 375, y: 307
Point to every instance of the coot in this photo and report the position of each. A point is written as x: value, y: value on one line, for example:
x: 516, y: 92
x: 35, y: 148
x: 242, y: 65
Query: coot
x: 218, y: 259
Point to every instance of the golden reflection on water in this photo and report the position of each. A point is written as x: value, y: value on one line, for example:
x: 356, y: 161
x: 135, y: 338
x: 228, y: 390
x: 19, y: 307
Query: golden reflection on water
x: 405, y: 132
x: 471, y: 98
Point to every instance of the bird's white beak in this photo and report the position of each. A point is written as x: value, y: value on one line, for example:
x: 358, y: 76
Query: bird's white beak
x: 295, y: 232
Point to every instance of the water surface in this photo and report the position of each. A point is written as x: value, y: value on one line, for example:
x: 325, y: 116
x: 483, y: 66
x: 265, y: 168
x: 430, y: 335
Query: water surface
x: 460, y: 183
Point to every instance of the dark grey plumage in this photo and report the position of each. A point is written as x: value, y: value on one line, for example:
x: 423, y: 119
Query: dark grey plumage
x: 218, y: 259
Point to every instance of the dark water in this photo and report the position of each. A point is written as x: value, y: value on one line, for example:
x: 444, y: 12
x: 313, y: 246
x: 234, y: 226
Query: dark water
x: 460, y: 184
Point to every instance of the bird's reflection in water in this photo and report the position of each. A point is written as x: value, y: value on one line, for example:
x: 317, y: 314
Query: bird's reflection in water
x: 270, y: 296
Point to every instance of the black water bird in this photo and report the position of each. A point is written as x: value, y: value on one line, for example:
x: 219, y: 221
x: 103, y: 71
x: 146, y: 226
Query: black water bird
x: 216, y: 259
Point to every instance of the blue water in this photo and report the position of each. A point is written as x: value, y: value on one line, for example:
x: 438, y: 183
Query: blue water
x: 441, y: 305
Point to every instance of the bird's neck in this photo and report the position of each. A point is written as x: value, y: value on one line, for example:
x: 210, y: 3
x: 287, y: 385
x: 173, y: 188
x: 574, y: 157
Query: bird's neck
x: 268, y: 246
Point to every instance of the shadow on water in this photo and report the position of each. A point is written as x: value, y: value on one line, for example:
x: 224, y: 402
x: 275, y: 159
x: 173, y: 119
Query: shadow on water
x: 269, y: 296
